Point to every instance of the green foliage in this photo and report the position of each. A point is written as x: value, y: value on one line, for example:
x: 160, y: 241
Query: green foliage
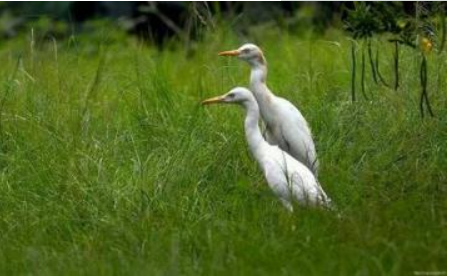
x: 361, y: 21
x: 367, y: 19
x: 391, y: 19
x: 109, y: 165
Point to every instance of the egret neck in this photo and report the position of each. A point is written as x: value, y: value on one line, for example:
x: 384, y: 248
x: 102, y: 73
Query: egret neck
x: 258, y: 86
x: 253, y: 134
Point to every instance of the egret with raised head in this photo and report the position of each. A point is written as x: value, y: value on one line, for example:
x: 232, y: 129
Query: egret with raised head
x: 285, y: 125
x: 289, y: 179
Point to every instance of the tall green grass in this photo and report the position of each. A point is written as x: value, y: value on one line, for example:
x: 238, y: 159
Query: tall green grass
x: 109, y: 165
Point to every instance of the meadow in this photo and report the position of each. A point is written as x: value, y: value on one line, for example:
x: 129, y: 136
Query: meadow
x: 109, y: 164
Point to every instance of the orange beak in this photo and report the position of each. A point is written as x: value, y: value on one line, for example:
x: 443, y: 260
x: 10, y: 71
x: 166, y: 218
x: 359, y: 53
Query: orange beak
x: 213, y: 100
x: 232, y: 53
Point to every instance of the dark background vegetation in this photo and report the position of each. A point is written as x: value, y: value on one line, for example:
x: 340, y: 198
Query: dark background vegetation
x: 159, y: 20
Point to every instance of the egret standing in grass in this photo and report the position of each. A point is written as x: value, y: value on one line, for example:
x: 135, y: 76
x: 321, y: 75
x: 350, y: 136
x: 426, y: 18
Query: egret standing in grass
x: 288, y: 178
x: 285, y: 125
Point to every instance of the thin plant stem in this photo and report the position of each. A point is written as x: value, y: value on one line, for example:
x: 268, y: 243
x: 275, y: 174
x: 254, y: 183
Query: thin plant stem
x: 424, y: 100
x: 378, y: 70
x: 363, y: 72
x: 372, y: 62
x: 353, y: 72
x: 444, y: 33
x: 396, y: 73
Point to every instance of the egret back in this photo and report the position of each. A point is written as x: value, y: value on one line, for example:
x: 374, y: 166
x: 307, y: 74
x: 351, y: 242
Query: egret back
x: 291, y: 180
x: 289, y: 130
x: 286, y: 126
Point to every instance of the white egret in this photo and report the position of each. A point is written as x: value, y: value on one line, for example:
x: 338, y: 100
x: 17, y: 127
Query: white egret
x: 285, y: 125
x: 288, y: 178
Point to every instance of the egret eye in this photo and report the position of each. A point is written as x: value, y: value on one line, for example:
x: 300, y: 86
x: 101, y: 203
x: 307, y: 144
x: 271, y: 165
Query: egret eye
x: 231, y: 95
x: 246, y: 50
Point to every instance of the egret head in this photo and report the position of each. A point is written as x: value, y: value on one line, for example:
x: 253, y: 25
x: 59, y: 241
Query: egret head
x: 238, y: 95
x: 248, y: 52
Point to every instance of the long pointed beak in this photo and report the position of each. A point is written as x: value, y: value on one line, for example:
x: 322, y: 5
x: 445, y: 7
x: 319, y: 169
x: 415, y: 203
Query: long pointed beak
x: 229, y: 53
x: 213, y: 100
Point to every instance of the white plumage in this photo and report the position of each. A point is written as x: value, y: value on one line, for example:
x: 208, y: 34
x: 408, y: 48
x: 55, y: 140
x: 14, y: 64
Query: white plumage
x: 288, y: 178
x: 285, y: 125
